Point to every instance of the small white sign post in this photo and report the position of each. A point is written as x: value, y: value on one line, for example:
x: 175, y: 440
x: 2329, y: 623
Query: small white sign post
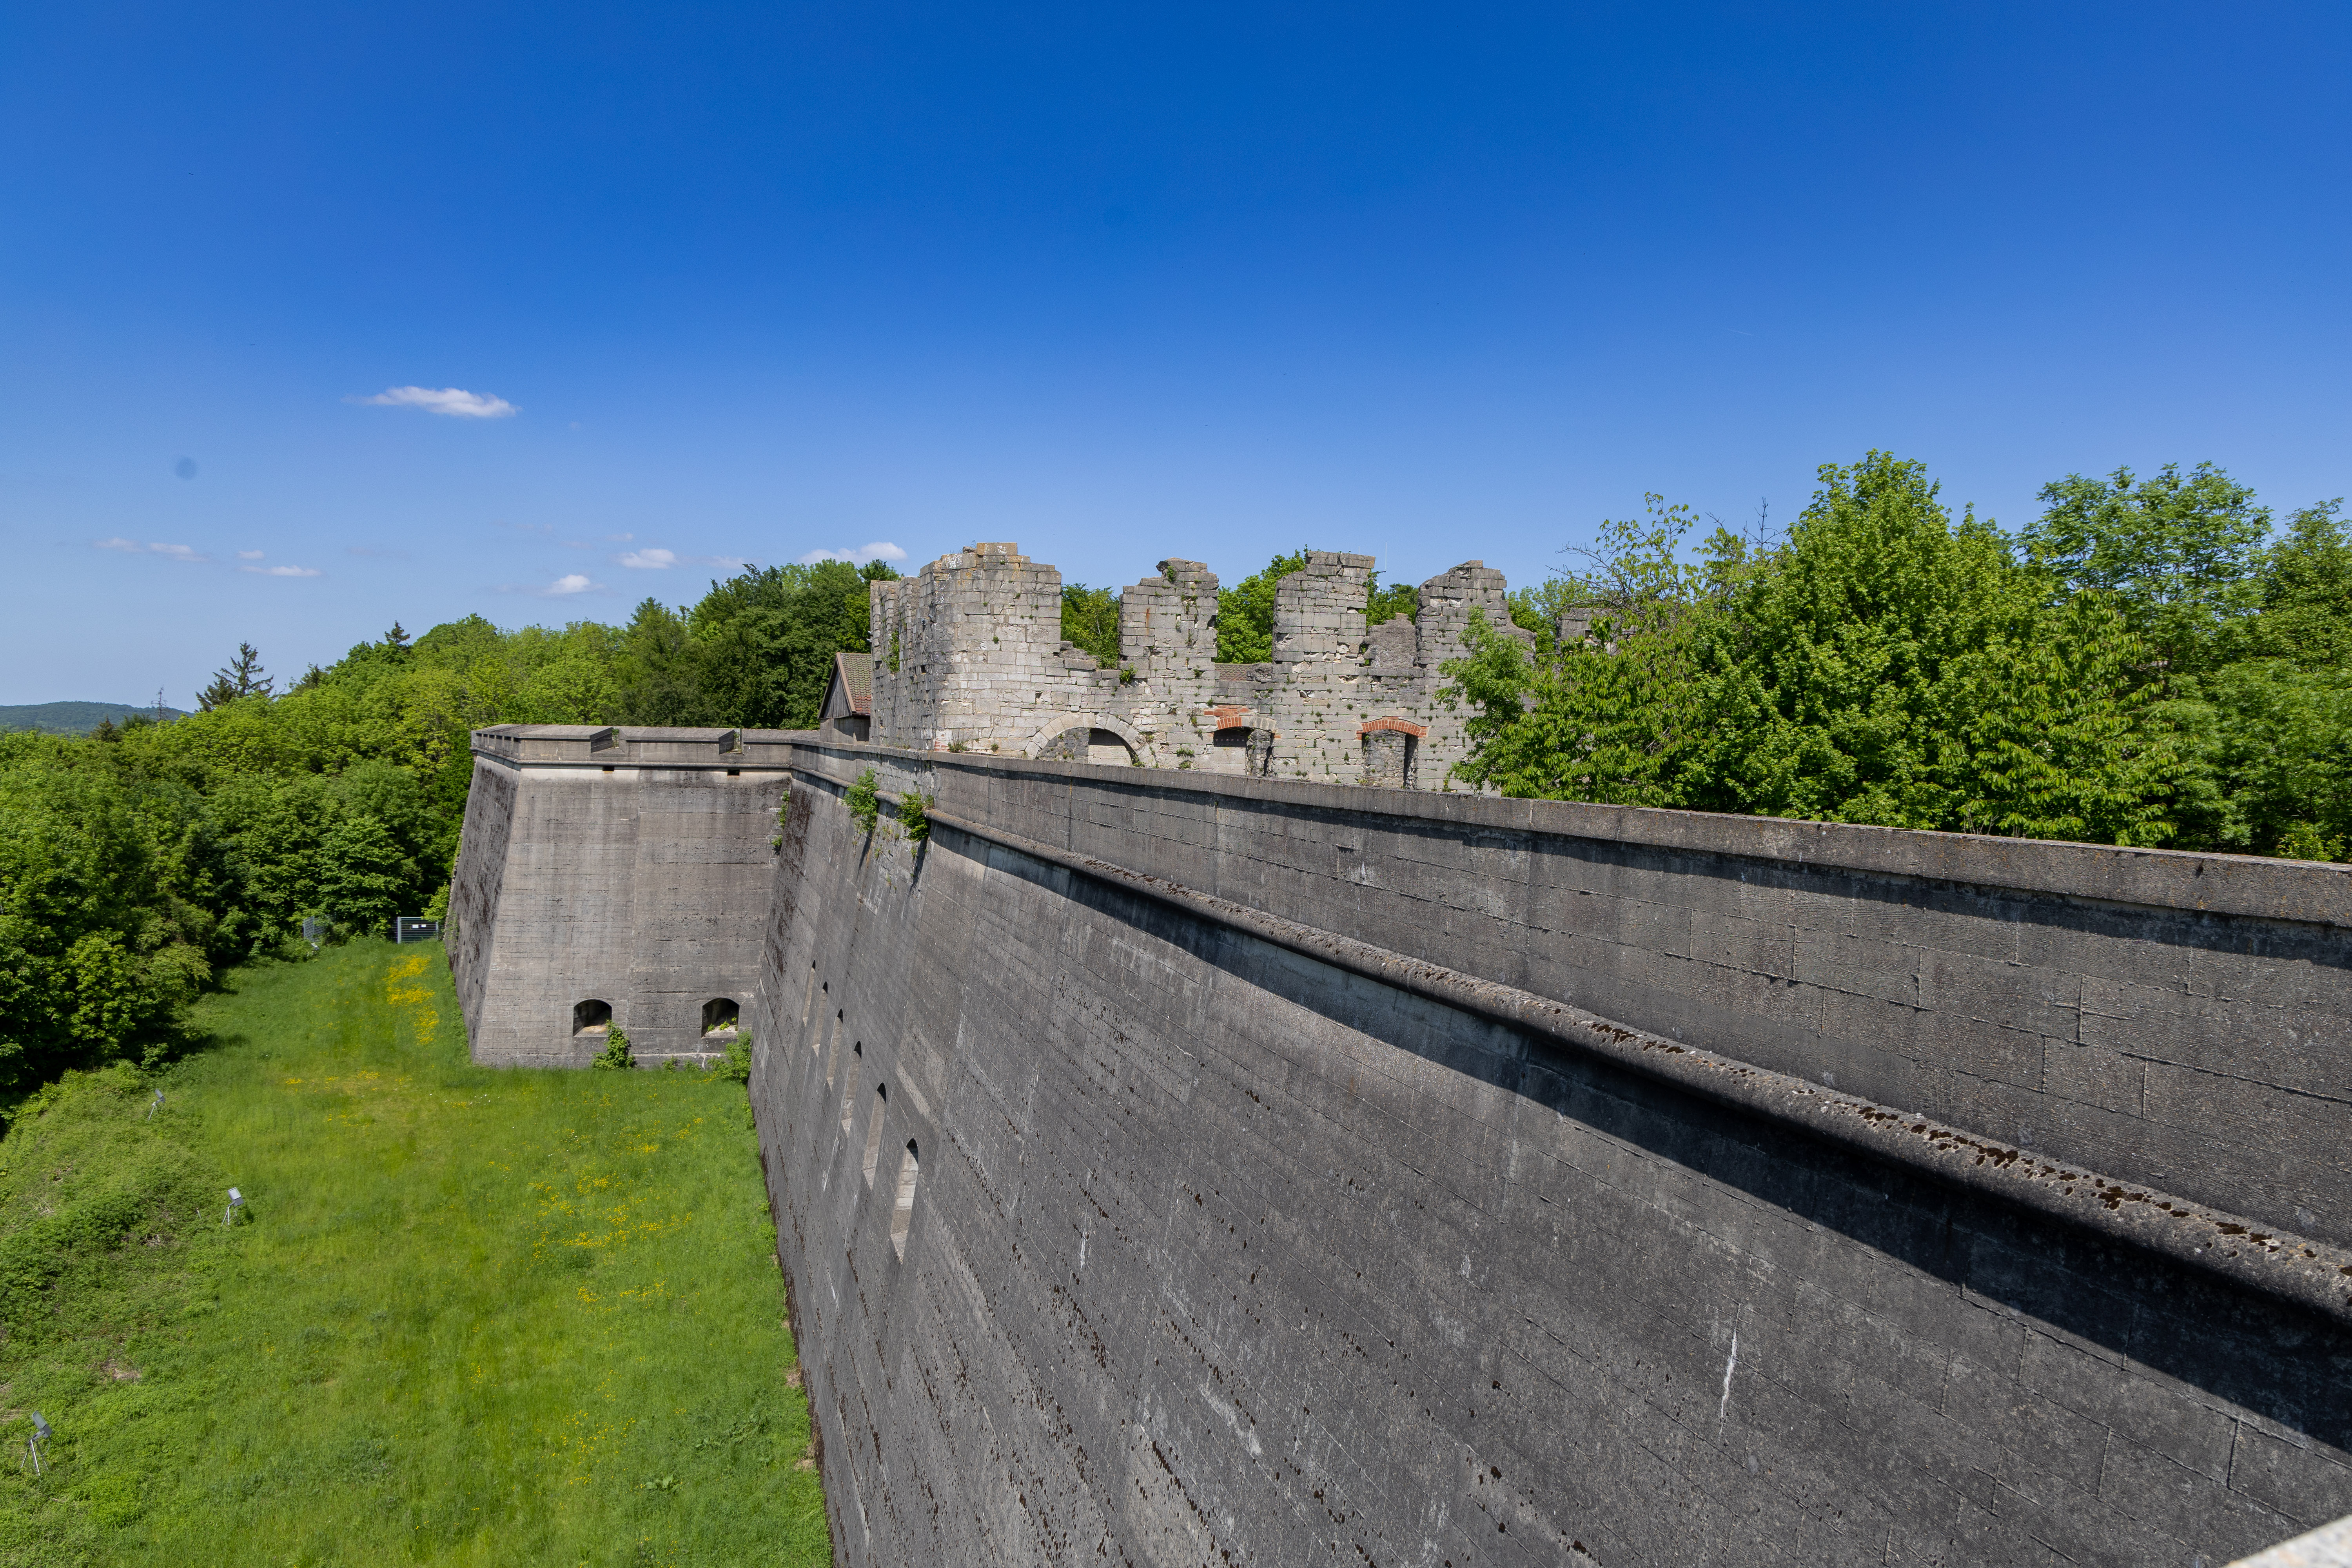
x: 236, y: 1202
x: 41, y: 1435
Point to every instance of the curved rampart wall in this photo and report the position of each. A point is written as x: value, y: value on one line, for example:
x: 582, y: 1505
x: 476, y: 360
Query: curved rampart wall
x: 1277, y: 1195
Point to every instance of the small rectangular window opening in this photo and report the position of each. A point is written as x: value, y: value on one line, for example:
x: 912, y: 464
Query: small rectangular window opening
x: 902, y: 1212
x: 734, y: 773
x: 608, y: 770
x: 874, y: 1132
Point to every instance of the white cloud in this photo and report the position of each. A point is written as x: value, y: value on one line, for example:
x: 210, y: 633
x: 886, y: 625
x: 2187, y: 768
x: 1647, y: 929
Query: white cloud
x: 169, y: 551
x: 570, y: 583
x: 880, y: 549
x: 250, y: 555
x: 449, y: 400
x: 281, y: 570
x: 647, y: 560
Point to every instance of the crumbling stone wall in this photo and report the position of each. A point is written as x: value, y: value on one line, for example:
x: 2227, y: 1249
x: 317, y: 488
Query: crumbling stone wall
x: 969, y: 657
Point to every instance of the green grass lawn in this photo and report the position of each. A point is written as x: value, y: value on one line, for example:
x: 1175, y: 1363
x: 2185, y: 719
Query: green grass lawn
x: 467, y: 1317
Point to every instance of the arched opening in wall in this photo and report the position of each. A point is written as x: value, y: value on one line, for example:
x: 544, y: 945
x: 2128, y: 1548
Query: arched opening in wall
x: 874, y: 1130
x: 719, y: 1016
x: 1107, y: 747
x: 902, y: 1211
x: 592, y: 1017
x: 1231, y: 754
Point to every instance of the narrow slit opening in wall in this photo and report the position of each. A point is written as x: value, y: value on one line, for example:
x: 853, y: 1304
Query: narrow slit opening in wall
x: 874, y: 1132
x: 902, y: 1211
x: 849, y: 1087
x: 832, y: 1050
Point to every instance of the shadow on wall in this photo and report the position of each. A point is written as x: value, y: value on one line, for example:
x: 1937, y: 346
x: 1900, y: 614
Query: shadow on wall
x: 2268, y: 1357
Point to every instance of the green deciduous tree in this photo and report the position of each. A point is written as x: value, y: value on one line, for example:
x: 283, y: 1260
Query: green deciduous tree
x: 1090, y: 620
x: 1889, y: 665
x: 2177, y: 553
x: 2307, y: 592
x: 1386, y: 604
x: 1245, y: 612
x: 1610, y: 716
x: 364, y: 879
x: 767, y: 637
x: 657, y: 671
x: 1897, y: 669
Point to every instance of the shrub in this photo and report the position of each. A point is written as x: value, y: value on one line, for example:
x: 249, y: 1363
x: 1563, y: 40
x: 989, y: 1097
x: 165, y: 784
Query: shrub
x: 615, y: 1053
x: 865, y: 800
x: 915, y: 815
x: 736, y: 1067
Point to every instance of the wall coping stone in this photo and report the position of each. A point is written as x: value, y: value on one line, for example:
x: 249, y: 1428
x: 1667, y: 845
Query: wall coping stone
x: 608, y: 746
x: 2303, y: 891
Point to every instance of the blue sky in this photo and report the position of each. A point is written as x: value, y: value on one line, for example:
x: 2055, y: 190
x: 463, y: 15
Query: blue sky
x: 1115, y: 282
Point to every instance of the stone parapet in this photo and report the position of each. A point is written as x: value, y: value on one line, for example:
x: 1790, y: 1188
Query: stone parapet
x: 1208, y: 1168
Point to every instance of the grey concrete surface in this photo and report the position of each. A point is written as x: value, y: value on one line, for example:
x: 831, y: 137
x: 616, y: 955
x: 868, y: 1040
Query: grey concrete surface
x: 1217, y: 1253
x: 631, y: 866
x: 1193, y: 1167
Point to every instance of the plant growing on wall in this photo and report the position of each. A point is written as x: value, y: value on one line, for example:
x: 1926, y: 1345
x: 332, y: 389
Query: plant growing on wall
x: 615, y: 1053
x: 915, y: 815
x: 863, y: 800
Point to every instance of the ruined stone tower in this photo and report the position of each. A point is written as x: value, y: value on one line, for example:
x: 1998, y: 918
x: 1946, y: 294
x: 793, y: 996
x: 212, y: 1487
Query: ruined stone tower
x: 968, y: 655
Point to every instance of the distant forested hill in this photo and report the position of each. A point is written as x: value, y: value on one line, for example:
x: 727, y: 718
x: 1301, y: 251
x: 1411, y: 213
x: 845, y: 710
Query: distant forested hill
x: 73, y: 717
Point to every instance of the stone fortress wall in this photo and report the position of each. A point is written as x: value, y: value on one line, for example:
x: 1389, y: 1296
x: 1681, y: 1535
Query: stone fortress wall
x: 1178, y: 1167
x: 1185, y: 1169
x: 968, y: 655
x: 625, y: 870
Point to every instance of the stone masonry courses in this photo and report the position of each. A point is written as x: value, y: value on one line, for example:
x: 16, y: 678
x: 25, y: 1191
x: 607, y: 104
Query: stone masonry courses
x: 969, y: 657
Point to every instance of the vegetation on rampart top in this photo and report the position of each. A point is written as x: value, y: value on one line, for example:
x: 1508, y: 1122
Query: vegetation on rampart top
x: 2149, y: 662
x: 464, y: 1315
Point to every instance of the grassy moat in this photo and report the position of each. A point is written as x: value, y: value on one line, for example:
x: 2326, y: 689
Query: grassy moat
x: 467, y: 1316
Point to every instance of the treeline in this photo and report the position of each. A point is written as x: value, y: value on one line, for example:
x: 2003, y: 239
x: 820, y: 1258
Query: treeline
x: 2152, y: 661
x: 136, y: 863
